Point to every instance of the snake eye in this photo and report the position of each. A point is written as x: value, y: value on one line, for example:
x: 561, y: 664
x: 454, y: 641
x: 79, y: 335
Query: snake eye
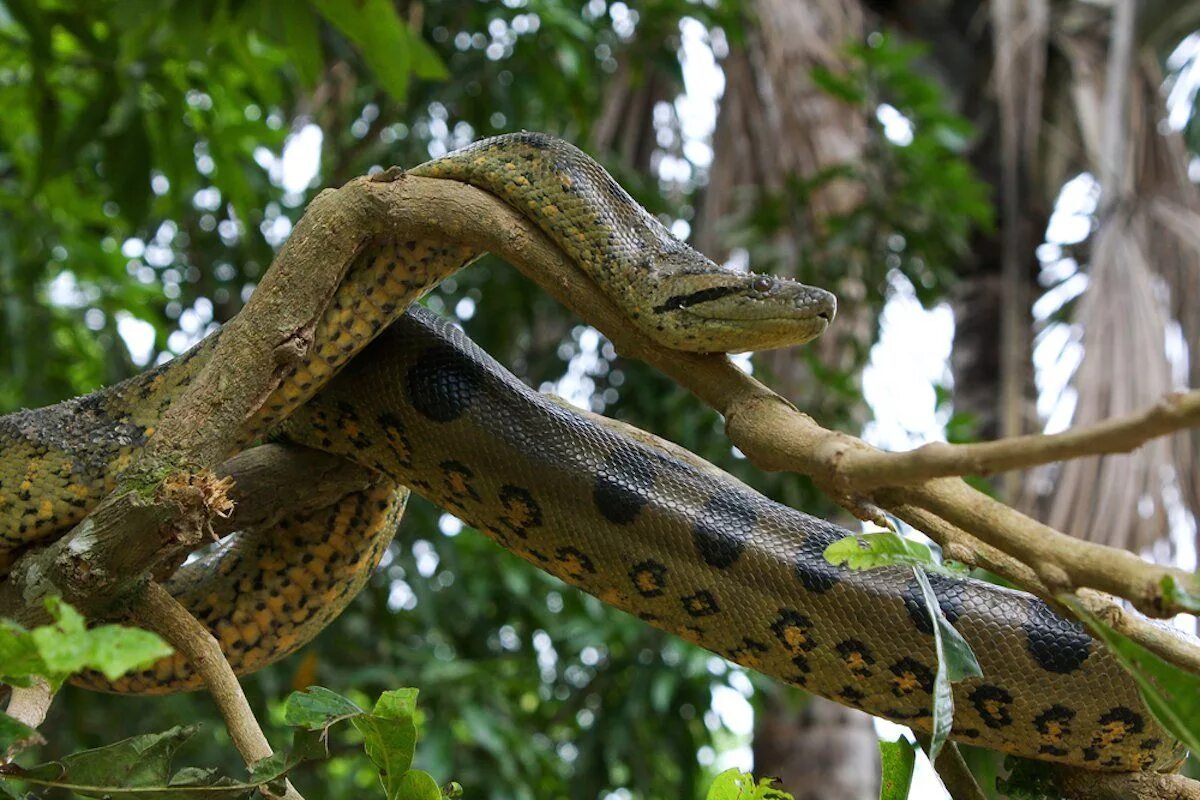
x: 763, y: 283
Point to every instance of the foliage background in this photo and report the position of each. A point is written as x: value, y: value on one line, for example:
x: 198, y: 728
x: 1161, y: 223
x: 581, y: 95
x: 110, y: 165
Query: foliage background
x: 142, y: 193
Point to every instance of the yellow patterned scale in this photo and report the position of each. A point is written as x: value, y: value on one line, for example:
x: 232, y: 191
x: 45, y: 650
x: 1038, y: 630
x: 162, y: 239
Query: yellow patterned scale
x: 684, y: 547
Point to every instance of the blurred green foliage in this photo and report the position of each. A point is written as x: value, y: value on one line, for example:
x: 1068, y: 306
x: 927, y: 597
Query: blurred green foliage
x: 145, y: 182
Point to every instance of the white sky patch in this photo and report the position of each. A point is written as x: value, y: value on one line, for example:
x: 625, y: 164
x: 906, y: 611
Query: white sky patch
x: 138, y: 336
x: 896, y: 127
x: 1181, y: 88
x: 910, y: 358
x: 301, y: 160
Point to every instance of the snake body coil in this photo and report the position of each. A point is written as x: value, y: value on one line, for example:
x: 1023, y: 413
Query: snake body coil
x: 685, y: 548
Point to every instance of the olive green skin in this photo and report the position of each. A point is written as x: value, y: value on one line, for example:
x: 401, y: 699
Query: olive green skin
x: 682, y: 546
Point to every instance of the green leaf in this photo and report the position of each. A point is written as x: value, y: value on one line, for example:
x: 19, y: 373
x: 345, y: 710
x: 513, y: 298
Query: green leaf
x: 139, y: 761
x: 391, y: 49
x: 299, y: 32
x: 415, y: 785
x: 733, y: 784
x: 140, y: 767
x: 1171, y: 694
x: 19, y: 659
x: 898, y: 759
x: 870, y: 550
x: 68, y: 646
x: 316, y: 708
x: 390, y: 736
x: 955, y: 660
x: 13, y: 731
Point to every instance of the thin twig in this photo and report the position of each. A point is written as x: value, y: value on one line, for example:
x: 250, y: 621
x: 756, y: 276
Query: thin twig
x: 866, y: 469
x: 156, y: 610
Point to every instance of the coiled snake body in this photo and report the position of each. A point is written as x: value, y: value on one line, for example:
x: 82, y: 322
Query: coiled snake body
x: 684, y: 547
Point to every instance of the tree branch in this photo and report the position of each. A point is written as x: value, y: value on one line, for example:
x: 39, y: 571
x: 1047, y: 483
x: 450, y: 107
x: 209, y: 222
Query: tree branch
x: 156, y: 610
x: 953, y: 770
x: 872, y: 468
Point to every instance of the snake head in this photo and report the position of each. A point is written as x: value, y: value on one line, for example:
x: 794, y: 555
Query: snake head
x: 718, y: 310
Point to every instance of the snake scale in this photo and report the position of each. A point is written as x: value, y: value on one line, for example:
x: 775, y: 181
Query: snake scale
x: 672, y: 540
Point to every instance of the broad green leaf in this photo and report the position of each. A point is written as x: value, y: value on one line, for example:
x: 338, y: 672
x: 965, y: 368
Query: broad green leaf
x: 19, y: 659
x: 1171, y: 694
x: 898, y: 759
x: 116, y: 649
x: 316, y: 708
x: 391, y: 49
x: 299, y: 32
x: 13, y: 731
x: 390, y: 735
x: 68, y: 646
x: 140, y: 767
x: 733, y: 784
x: 415, y: 785
x: 138, y: 761
x: 955, y: 660
x: 870, y: 550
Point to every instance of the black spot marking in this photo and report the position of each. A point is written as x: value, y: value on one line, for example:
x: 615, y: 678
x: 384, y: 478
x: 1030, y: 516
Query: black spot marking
x: 1054, y: 725
x: 1057, y: 644
x: 1116, y: 725
x: 521, y: 511
x: 443, y: 383
x: 909, y: 675
x: 817, y: 574
x: 723, y: 529
x: 856, y: 656
x: 575, y: 563
x: 649, y: 578
x: 623, y: 485
x: 701, y: 604
x: 792, y: 630
x: 949, y: 594
x: 748, y: 653
x: 396, y: 437
x: 992, y: 704
x: 457, y: 477
x: 851, y: 696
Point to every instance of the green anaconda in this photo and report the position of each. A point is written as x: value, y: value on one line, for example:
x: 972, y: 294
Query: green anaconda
x: 684, y: 547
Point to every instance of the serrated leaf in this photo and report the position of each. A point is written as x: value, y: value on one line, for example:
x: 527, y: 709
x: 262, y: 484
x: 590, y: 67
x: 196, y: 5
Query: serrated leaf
x: 67, y: 646
x: 733, y: 784
x: 955, y: 661
x: 316, y: 708
x: 1171, y: 694
x: 871, y: 550
x: 898, y: 759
